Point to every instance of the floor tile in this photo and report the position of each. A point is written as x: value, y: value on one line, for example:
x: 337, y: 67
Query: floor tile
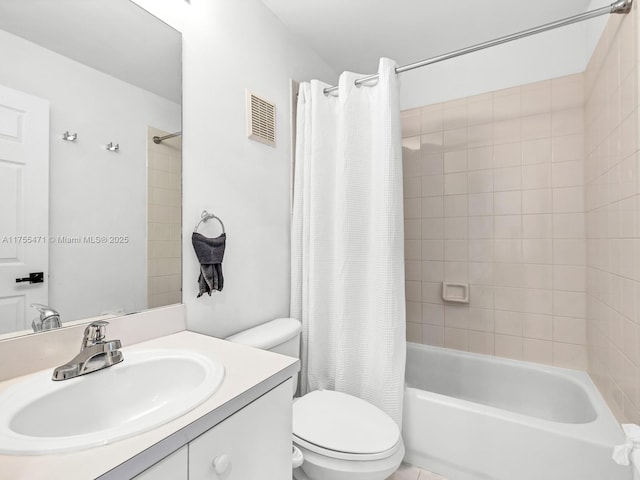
x: 409, y: 472
x: 429, y: 476
x: 406, y: 472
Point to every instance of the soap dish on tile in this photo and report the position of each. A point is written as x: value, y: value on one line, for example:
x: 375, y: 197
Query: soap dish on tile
x: 455, y: 292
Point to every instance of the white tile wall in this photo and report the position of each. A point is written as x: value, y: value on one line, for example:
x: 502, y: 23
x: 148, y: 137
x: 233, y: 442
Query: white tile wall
x: 494, y: 196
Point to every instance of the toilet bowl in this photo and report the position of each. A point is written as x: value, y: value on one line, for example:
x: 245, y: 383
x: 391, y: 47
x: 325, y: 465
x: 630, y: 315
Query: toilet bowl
x: 341, y: 437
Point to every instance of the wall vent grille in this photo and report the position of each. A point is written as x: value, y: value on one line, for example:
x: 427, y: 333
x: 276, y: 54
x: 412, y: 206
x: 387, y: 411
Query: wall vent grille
x: 261, y: 120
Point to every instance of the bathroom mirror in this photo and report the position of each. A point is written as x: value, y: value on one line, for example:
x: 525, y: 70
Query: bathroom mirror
x: 91, y: 207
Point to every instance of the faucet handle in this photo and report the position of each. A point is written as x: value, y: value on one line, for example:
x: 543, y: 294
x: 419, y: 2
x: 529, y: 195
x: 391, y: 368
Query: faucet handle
x: 49, y: 318
x: 95, y: 332
x: 45, y: 310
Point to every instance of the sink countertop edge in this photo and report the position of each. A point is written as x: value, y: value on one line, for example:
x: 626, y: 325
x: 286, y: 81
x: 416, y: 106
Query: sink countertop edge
x: 250, y: 373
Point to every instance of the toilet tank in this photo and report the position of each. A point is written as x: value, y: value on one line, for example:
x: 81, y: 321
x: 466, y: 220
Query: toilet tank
x: 281, y: 335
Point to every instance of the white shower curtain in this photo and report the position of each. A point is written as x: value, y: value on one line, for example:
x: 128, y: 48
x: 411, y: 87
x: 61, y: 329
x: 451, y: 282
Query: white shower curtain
x: 347, y: 258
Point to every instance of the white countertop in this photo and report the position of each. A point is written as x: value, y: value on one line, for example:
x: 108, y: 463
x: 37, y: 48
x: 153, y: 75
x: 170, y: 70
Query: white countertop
x: 249, y: 373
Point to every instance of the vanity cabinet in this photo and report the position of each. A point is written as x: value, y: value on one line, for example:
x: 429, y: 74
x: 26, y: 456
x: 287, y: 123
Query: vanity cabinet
x: 253, y: 443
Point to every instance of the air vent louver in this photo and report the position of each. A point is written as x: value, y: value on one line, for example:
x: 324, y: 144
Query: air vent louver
x: 261, y: 120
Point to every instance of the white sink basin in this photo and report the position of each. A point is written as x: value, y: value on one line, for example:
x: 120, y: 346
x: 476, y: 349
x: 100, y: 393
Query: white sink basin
x: 149, y: 388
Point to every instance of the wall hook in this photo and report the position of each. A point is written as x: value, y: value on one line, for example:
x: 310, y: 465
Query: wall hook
x: 70, y: 137
x: 113, y: 148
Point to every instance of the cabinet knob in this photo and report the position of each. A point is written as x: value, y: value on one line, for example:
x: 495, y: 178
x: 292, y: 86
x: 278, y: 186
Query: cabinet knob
x: 221, y: 463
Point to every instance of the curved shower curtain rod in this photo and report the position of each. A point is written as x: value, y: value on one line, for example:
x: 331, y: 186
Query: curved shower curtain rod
x: 620, y: 6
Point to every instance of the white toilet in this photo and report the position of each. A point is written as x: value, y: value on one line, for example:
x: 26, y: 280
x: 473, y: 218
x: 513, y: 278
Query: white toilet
x: 341, y: 437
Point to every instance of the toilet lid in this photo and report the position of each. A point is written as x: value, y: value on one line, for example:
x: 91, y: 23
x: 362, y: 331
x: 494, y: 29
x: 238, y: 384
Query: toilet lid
x: 344, y: 423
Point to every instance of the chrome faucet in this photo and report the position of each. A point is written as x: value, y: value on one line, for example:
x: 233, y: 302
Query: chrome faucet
x: 95, y: 354
x: 49, y: 318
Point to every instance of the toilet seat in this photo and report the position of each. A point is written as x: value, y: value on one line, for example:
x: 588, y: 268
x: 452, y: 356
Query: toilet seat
x: 341, y: 426
x: 356, y: 457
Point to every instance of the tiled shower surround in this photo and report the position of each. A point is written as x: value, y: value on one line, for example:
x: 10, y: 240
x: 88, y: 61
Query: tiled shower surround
x: 494, y: 197
x: 532, y: 196
x: 164, y: 190
x: 613, y: 216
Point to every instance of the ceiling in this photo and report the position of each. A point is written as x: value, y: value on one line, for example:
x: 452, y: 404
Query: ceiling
x: 114, y: 36
x: 353, y: 34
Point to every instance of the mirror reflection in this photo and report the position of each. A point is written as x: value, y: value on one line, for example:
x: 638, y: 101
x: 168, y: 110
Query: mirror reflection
x: 90, y: 224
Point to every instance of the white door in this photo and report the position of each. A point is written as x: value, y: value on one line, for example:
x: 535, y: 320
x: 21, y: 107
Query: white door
x: 24, y: 206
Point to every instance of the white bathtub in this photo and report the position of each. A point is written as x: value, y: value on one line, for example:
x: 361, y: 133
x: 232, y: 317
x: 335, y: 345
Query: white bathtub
x: 476, y: 417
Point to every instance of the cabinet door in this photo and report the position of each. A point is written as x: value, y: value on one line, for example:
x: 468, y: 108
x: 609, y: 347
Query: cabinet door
x: 252, y: 444
x: 174, y: 467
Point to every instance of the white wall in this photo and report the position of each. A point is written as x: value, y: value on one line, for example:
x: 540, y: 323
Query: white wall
x: 541, y: 57
x: 595, y: 28
x: 229, y: 47
x: 93, y: 192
